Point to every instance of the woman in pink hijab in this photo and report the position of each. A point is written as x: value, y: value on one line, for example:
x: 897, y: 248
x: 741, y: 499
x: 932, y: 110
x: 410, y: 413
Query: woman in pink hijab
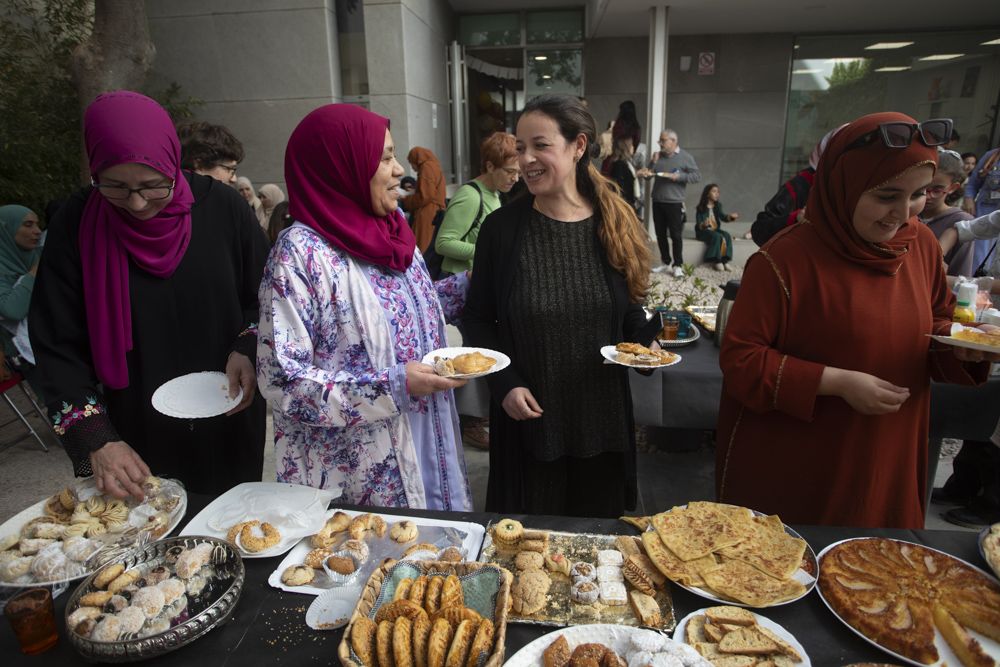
x: 347, y: 313
x: 149, y: 274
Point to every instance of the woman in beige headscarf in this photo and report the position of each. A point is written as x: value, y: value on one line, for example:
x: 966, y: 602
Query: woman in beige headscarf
x: 245, y: 188
x: 270, y: 196
x: 429, y: 198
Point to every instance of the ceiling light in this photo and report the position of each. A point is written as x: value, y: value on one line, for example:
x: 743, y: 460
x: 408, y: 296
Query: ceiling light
x: 546, y: 76
x: 943, y: 56
x: 806, y: 71
x: 887, y: 45
x: 891, y: 69
x: 541, y: 57
x: 992, y: 42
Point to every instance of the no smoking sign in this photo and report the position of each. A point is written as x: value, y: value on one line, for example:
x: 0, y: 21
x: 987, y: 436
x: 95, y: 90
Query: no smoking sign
x: 706, y: 63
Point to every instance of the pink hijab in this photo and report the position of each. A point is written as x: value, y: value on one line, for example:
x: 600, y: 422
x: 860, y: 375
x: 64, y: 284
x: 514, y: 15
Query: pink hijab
x: 120, y: 127
x: 329, y: 163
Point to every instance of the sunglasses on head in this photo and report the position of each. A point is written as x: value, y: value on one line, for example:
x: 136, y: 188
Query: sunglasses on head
x: 934, y: 132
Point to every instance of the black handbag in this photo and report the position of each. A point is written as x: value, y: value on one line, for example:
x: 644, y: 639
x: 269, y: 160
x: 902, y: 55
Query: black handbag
x: 431, y: 258
x: 981, y: 269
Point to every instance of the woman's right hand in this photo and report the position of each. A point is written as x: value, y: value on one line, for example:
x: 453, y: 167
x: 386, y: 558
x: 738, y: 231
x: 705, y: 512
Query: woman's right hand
x: 866, y: 393
x: 421, y: 380
x: 520, y: 404
x: 118, y: 470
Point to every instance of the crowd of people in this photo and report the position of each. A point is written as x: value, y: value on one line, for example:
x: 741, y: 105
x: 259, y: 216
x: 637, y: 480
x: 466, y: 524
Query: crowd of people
x: 324, y: 305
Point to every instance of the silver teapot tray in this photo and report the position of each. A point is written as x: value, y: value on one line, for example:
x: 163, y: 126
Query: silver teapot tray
x: 150, y: 555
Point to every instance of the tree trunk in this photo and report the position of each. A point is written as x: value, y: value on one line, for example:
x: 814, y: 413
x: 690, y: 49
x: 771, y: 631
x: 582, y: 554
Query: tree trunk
x: 117, y: 56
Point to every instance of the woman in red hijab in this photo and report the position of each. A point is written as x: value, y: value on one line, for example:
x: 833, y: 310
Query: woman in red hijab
x: 149, y: 274
x: 826, y: 364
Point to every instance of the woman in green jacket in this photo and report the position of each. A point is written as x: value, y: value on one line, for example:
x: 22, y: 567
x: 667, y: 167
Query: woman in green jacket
x: 20, y: 248
x: 456, y: 239
x: 708, y: 228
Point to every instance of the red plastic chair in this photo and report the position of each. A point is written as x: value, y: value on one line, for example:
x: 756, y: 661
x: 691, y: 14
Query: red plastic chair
x: 16, y: 380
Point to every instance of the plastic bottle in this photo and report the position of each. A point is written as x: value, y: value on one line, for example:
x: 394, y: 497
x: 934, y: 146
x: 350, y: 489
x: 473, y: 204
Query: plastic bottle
x: 965, y: 310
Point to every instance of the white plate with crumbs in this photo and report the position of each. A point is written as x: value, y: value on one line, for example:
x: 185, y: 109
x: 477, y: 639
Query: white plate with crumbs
x: 196, y: 396
x: 501, y: 361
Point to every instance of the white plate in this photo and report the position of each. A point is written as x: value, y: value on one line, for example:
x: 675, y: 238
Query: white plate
x: 763, y: 621
x: 616, y: 637
x: 85, y: 488
x: 948, y: 657
x: 195, y: 396
x: 503, y: 361
x: 801, y: 576
x: 380, y: 548
x: 609, y: 353
x: 968, y: 344
x: 663, y: 342
x: 295, y: 510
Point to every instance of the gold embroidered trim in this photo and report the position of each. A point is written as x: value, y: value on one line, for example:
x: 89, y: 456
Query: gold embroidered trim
x: 922, y: 163
x: 788, y: 294
x: 729, y: 450
x: 777, y: 385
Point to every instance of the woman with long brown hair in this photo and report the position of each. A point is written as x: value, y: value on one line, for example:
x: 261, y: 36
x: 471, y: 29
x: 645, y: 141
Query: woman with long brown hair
x: 558, y: 274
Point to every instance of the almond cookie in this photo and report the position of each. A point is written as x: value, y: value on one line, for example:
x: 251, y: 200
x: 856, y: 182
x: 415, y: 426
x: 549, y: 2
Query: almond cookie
x: 529, y: 560
x: 383, y: 644
x: 363, y: 640
x: 315, y: 558
x: 398, y: 608
x: 297, y: 575
x: 417, y: 590
x: 107, y: 575
x: 481, y: 643
x: 451, y: 593
x: 459, y: 651
x: 432, y: 597
x: 402, y: 642
x: 403, y: 531
x: 95, y: 599
x: 528, y: 592
x: 402, y: 591
x: 421, y: 634
x: 438, y: 643
x: 253, y: 543
x: 234, y: 531
x: 123, y: 580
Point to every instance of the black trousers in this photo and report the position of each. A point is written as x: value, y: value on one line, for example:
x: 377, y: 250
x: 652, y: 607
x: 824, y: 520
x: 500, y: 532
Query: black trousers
x: 669, y: 217
x: 976, y: 476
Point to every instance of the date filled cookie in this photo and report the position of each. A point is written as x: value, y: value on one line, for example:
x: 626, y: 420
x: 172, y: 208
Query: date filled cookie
x: 403, y: 531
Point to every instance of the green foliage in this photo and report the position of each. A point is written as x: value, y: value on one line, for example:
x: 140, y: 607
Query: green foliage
x: 40, y: 119
x: 849, y: 72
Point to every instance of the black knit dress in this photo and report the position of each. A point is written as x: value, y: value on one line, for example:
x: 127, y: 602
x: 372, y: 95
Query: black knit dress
x: 561, y: 313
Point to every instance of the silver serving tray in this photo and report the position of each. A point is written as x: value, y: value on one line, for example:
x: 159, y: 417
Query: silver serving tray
x: 217, y: 613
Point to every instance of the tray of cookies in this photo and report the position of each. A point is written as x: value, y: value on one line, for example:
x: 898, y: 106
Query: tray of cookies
x: 350, y: 545
x: 564, y: 579
x: 731, y: 554
x: 429, y: 613
x: 70, y: 534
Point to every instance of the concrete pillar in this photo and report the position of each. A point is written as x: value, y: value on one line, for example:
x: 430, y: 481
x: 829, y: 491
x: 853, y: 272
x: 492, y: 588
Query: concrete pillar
x: 656, y: 104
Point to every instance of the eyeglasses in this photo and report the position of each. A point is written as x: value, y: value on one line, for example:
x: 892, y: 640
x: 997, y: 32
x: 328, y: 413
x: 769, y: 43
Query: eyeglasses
x: 935, y: 132
x: 936, y: 190
x: 118, y: 192
x: 230, y: 168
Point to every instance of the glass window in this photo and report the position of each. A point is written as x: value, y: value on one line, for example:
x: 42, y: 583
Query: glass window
x: 554, y: 72
x: 837, y: 78
x: 489, y: 30
x: 351, y: 47
x: 555, y: 27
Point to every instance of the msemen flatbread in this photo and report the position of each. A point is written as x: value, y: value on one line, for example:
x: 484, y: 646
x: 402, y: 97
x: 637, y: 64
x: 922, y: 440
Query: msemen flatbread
x: 697, y: 531
x: 684, y: 572
x: 742, y: 582
x: 773, y: 552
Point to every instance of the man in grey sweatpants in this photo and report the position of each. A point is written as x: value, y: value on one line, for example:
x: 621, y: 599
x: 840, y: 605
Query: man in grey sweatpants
x: 672, y: 169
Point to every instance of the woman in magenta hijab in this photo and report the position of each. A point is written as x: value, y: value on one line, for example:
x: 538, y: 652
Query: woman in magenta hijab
x: 347, y: 313
x: 149, y: 274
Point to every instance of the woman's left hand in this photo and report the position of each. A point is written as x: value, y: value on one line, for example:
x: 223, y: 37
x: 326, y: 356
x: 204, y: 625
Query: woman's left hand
x: 733, y: 217
x: 241, y: 375
x: 965, y: 354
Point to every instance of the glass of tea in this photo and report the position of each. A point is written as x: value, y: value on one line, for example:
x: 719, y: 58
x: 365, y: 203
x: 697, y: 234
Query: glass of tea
x: 33, y: 619
x: 670, y: 323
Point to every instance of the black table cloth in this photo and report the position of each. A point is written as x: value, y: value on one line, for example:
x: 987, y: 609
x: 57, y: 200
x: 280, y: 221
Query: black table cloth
x: 268, y: 626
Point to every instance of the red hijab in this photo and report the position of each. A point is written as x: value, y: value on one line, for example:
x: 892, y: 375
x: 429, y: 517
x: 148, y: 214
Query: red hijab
x: 120, y: 127
x: 844, y: 175
x: 329, y: 163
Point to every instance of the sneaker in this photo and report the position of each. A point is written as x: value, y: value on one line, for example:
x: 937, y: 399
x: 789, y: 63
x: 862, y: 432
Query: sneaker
x: 967, y: 518
x: 476, y: 437
x: 719, y: 266
x: 678, y: 272
x: 661, y: 269
x: 726, y: 267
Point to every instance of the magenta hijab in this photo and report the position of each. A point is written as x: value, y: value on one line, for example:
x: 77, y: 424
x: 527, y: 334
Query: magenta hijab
x: 120, y: 127
x: 329, y: 163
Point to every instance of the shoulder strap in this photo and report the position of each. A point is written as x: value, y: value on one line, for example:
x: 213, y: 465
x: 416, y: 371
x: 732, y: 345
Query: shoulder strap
x: 479, y: 213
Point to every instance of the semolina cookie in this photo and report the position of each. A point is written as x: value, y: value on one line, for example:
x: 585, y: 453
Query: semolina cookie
x: 481, y: 643
x: 398, y: 608
x: 402, y: 642
x: 438, y: 643
x: 363, y: 634
x: 402, y: 591
x: 455, y: 614
x: 458, y: 653
x: 418, y: 590
x: 432, y: 597
x: 451, y: 592
x: 383, y: 644
x: 421, y: 635
x: 108, y: 574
